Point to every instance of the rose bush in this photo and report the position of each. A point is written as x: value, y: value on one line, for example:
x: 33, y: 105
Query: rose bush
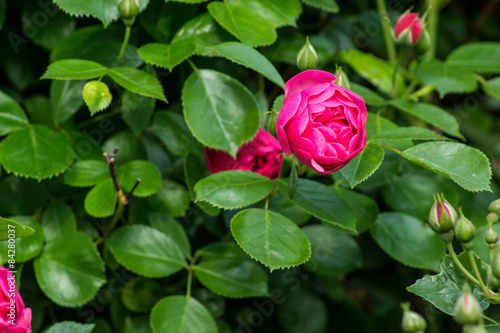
x: 321, y: 123
x: 262, y: 155
x: 12, y: 308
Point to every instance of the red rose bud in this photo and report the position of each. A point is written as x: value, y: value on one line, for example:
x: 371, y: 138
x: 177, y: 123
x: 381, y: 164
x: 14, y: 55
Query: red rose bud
x: 307, y: 58
x: 342, y: 79
x: 262, y: 155
x: 412, y: 322
x: 408, y: 29
x: 442, y: 215
x: 467, y: 309
x: 465, y: 231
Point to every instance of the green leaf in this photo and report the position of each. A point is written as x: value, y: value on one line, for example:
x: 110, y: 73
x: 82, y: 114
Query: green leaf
x: 65, y: 99
x: 36, y: 152
x: 443, y: 289
x: 408, y: 133
x: 138, y: 81
x: 97, y: 96
x: 492, y: 87
x: 104, y: 10
x: 466, y: 166
x: 70, y: 271
x: 190, y: 1
x: 17, y: 230
x: 327, y: 5
x: 172, y: 130
x: 58, y: 221
x: 86, y: 173
x: 480, y: 57
x: 219, y: 110
x: 408, y: 240
x: 170, y: 227
x: 333, y: 252
x: 430, y: 114
x: 373, y: 69
x: 149, y: 174
x: 70, y: 327
x: 249, y: 57
x: 137, y: 110
x: 447, y: 78
x: 181, y: 314
x: 276, y: 12
x: 140, y: 294
x: 146, y: 251
x: 74, y: 69
x: 366, y: 209
x: 232, y: 277
x: 270, y: 238
x: 370, y: 97
x: 172, y: 199
x: 321, y: 201
x: 240, y: 22
x: 22, y: 196
x: 363, y: 165
x: 233, y: 189
x: 12, y: 116
x: 26, y: 248
x: 101, y: 199
x: 168, y: 55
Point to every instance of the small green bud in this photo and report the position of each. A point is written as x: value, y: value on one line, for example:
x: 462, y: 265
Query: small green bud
x: 271, y: 122
x: 474, y: 329
x: 495, y: 206
x: 128, y: 11
x: 442, y: 215
x: 423, y: 44
x: 342, y: 79
x: 492, y: 218
x: 412, y: 322
x: 492, y: 279
x: 465, y: 231
x: 495, y: 265
x: 467, y: 309
x: 307, y: 58
x: 491, y: 236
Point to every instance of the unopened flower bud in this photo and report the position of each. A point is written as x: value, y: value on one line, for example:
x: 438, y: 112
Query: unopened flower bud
x: 495, y: 265
x: 491, y: 236
x: 474, y: 329
x: 493, y: 282
x: 465, y: 231
x: 307, y: 58
x: 467, y: 309
x: 495, y: 206
x: 408, y: 29
x: 442, y: 215
x: 412, y: 322
x: 423, y: 44
x: 128, y: 10
x: 271, y: 122
x: 342, y: 79
x: 492, y: 218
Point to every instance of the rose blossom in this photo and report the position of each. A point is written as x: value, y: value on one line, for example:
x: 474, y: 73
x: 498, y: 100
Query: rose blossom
x: 321, y: 123
x: 262, y: 155
x: 12, y: 306
x: 411, y: 22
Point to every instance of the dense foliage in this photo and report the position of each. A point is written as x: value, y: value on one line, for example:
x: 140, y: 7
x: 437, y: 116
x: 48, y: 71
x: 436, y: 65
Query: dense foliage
x: 141, y: 156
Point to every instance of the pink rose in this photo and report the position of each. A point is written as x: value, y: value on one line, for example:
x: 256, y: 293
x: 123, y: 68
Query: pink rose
x: 321, y: 123
x: 14, y: 317
x: 409, y: 23
x: 262, y: 155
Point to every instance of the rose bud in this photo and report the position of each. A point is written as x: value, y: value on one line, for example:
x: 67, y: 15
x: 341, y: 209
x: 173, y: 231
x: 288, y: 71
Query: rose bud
x: 465, y: 231
x: 442, y: 215
x: 307, y: 58
x: 128, y: 10
x: 262, y: 155
x: 474, y: 329
x: 495, y: 207
x: 408, y: 29
x: 12, y: 308
x: 492, y: 218
x: 342, y: 79
x: 412, y: 322
x: 321, y: 123
x: 467, y: 309
x: 495, y: 265
x: 491, y: 236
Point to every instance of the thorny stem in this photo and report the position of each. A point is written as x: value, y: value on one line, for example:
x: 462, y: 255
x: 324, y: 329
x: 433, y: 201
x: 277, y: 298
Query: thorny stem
x: 125, y: 43
x: 386, y: 26
x: 459, y: 264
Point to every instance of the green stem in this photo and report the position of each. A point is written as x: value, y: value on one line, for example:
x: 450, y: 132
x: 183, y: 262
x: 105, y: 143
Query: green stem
x: 432, y: 24
x: 403, y: 55
x: 125, y: 42
x: 118, y: 214
x: 414, y: 82
x: 387, y: 28
x: 492, y: 251
x: 478, y: 275
x: 459, y: 264
x: 191, y: 63
x: 397, y: 151
x: 190, y: 273
x: 490, y: 319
